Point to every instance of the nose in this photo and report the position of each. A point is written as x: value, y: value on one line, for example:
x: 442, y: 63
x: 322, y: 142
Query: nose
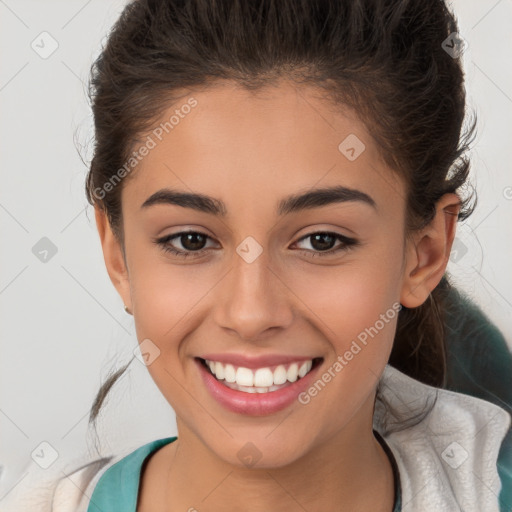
x: 253, y: 300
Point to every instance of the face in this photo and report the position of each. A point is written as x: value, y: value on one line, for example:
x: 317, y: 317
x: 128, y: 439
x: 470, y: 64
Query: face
x: 263, y: 281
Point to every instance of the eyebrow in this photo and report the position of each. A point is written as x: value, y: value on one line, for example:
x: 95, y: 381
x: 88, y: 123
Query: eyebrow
x: 315, y: 198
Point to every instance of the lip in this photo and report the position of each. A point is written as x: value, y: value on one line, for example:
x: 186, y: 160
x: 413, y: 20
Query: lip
x: 254, y: 362
x: 256, y: 404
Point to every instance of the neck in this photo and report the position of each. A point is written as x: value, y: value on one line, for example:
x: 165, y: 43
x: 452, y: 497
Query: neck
x: 349, y: 468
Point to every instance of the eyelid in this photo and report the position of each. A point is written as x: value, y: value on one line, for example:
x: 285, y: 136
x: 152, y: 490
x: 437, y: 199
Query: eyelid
x: 346, y: 243
x: 163, y: 242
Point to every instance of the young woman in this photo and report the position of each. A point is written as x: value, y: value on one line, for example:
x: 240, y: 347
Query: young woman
x: 276, y: 187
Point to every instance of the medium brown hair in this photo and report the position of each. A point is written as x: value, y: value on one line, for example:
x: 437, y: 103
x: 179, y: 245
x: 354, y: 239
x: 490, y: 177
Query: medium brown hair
x: 384, y: 58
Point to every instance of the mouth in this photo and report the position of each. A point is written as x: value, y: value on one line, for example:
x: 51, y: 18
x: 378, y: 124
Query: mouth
x: 259, y: 390
x: 266, y: 379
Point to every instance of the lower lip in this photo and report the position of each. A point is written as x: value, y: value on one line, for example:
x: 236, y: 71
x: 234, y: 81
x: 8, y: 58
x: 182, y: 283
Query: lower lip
x: 255, y: 404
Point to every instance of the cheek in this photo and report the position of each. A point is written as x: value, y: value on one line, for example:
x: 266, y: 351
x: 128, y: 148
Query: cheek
x: 350, y: 297
x: 355, y: 306
x: 165, y: 294
x: 356, y: 310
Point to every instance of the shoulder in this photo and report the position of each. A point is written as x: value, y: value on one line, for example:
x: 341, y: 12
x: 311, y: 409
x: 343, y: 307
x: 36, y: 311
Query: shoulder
x: 447, y: 447
x: 59, y: 488
x: 66, y: 486
x: 120, y: 483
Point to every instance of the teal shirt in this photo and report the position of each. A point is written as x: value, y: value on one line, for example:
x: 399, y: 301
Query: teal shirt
x: 118, y: 487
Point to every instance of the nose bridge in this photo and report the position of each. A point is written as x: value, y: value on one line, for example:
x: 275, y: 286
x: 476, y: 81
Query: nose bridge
x: 253, y: 298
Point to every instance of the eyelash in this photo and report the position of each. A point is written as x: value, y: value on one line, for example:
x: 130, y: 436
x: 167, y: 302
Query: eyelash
x: 347, y: 243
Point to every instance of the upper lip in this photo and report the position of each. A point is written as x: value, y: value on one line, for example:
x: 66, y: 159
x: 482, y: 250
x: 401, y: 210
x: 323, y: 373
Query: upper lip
x: 262, y: 361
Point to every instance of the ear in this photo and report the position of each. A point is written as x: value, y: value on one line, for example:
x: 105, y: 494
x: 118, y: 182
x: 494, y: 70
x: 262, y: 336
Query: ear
x: 114, y: 257
x: 428, y: 252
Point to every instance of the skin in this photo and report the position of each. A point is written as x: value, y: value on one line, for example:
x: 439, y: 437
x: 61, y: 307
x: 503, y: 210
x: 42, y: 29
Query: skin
x: 250, y: 151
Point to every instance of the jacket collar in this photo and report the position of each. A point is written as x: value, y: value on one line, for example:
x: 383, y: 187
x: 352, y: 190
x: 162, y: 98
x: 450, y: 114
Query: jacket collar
x: 446, y: 444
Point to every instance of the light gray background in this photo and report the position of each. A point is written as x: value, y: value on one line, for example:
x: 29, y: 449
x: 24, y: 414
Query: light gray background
x: 62, y: 323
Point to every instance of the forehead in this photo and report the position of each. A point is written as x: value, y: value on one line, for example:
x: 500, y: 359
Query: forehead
x: 241, y: 144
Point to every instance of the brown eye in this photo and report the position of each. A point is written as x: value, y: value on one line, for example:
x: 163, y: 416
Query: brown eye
x: 322, y: 243
x: 191, y: 242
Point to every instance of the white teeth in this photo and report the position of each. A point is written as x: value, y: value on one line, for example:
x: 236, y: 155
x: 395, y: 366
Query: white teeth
x: 219, y: 370
x: 261, y: 380
x: 293, y: 372
x: 229, y: 373
x: 305, y: 367
x: 280, y: 375
x: 244, y: 376
x: 252, y: 389
x: 246, y: 389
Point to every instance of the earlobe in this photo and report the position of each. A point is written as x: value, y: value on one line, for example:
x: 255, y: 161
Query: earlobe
x: 428, y: 252
x: 113, y: 257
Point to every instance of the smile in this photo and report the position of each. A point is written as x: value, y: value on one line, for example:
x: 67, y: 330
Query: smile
x: 260, y: 390
x: 260, y: 380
